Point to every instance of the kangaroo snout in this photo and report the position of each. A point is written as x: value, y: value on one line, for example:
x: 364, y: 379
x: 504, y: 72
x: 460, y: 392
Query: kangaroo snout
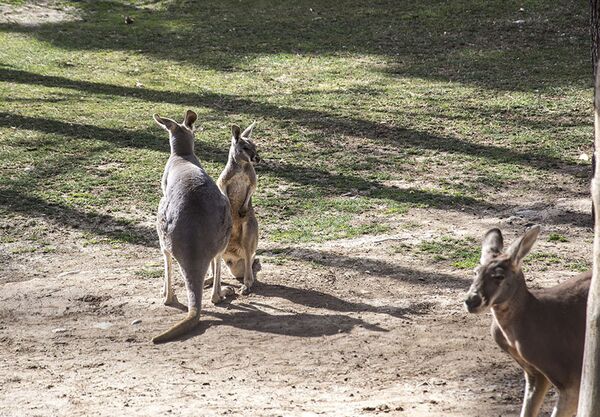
x: 473, y: 303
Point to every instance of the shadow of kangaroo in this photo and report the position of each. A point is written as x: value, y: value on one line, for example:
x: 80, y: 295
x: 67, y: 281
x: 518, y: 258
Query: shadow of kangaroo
x: 193, y: 224
x: 238, y: 183
x: 543, y: 330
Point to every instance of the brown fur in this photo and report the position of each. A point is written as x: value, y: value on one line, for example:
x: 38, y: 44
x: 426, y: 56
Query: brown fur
x: 543, y: 330
x: 238, y: 182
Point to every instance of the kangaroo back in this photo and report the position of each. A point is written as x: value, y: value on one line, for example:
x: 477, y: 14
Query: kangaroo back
x: 193, y: 221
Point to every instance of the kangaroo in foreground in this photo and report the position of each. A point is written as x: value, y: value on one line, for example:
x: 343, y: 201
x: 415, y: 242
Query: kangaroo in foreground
x: 543, y: 330
x: 238, y: 183
x: 193, y: 223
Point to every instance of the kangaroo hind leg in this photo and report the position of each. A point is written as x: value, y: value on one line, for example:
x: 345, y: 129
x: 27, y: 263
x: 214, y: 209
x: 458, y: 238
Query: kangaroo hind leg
x: 536, y: 387
x: 193, y: 275
x: 219, y: 293
x: 167, y: 292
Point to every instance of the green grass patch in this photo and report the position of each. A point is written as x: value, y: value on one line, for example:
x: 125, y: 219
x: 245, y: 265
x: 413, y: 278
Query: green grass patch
x: 461, y: 253
x: 548, y: 261
x: 322, y: 226
x: 557, y: 237
x: 365, y: 112
x: 150, y: 273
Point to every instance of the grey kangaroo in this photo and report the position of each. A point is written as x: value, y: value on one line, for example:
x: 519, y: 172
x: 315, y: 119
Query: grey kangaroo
x: 543, y: 330
x: 193, y: 223
x: 238, y: 183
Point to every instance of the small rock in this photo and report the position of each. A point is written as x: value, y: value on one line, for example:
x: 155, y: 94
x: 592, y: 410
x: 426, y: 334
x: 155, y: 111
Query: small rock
x: 136, y: 321
x: 584, y: 157
x: 103, y: 325
x: 64, y: 274
x: 369, y: 409
x: 59, y: 330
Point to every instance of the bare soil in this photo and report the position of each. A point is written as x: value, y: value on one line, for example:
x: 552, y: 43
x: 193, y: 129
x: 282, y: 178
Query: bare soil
x: 37, y: 12
x: 346, y: 328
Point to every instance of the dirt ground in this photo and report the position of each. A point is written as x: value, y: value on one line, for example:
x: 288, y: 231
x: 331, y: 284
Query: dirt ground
x: 346, y: 328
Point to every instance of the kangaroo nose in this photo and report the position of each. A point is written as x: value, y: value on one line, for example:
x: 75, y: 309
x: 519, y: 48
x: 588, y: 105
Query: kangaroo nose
x: 472, y: 302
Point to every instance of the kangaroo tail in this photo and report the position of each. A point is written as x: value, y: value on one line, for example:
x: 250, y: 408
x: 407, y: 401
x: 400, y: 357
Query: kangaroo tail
x: 180, y: 328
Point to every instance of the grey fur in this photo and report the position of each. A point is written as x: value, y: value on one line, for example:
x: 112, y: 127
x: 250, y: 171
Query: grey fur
x: 193, y: 223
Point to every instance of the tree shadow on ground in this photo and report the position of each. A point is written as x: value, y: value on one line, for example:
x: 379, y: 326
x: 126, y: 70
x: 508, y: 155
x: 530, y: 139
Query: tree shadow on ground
x: 123, y: 138
x: 17, y: 193
x: 498, y: 45
x: 296, y: 324
x: 248, y: 317
x: 370, y: 266
x: 77, y: 219
x: 326, y: 123
x: 252, y: 315
x: 317, y: 299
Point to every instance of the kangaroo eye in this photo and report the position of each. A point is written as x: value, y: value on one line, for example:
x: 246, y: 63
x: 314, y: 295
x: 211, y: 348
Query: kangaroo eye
x: 498, y: 277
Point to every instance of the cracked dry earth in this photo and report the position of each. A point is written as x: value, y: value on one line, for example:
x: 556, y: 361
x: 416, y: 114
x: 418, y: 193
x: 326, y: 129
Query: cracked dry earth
x: 346, y: 328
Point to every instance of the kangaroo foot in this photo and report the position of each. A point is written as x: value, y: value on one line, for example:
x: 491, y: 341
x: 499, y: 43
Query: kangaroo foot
x: 171, y: 300
x: 245, y: 290
x: 225, y: 291
x: 216, y: 298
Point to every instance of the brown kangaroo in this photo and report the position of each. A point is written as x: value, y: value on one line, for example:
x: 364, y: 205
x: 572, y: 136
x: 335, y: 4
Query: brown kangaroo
x: 543, y: 330
x: 238, y: 183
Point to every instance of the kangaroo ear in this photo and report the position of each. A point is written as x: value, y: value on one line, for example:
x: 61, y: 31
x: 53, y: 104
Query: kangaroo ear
x: 248, y: 132
x: 491, y: 246
x: 236, y: 132
x: 522, y: 246
x: 167, y: 124
x: 190, y: 119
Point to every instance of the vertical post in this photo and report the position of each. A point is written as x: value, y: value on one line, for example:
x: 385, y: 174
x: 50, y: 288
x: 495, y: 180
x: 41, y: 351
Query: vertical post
x: 595, y: 36
x: 589, y: 395
x: 595, y: 32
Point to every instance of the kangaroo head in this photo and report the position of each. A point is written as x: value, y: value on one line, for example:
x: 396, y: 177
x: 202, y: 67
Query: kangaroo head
x: 181, y: 136
x: 499, y: 275
x: 243, y: 150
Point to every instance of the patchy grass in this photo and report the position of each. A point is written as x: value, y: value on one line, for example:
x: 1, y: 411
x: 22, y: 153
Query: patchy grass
x: 461, y: 253
x: 550, y: 261
x: 465, y: 253
x: 557, y: 237
x: 366, y: 111
x: 150, y: 273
